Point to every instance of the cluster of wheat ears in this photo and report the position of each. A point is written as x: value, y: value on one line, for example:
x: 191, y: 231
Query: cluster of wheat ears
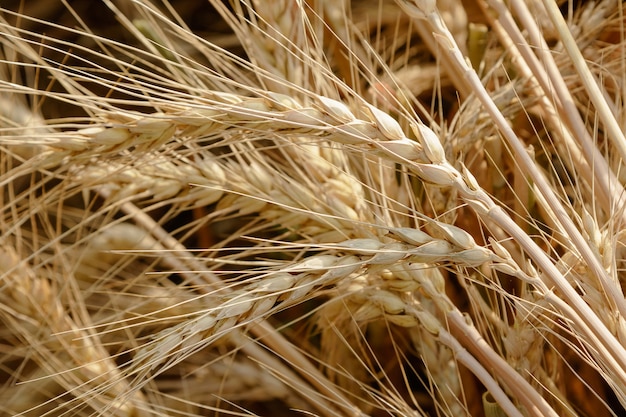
x: 325, y: 208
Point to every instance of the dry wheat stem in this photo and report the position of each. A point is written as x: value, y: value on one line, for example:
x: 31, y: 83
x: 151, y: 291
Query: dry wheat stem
x: 471, y: 362
x: 532, y: 401
x: 592, y: 323
x: 463, y: 88
x: 596, y: 95
x: 614, y: 294
x: 612, y: 190
x: 605, y: 181
x: 557, y: 279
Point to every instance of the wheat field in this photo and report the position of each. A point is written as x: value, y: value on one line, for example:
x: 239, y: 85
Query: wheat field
x: 326, y: 208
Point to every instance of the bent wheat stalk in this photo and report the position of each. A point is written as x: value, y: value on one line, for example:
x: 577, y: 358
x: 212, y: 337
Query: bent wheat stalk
x: 615, y: 295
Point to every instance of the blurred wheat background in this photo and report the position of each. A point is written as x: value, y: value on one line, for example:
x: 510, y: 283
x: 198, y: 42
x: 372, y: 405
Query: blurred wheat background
x: 330, y: 208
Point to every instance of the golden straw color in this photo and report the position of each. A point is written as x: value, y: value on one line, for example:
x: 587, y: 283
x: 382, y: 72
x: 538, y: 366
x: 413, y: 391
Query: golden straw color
x: 328, y: 208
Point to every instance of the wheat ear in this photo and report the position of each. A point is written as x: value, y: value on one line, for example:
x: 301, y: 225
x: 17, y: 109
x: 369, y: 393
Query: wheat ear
x: 38, y: 317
